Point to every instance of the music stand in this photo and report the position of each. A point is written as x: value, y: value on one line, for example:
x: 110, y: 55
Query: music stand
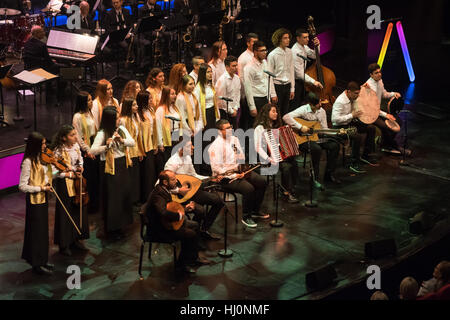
x: 3, y: 72
x: 115, y: 37
x: 173, y: 22
x: 148, y: 25
x: 71, y: 75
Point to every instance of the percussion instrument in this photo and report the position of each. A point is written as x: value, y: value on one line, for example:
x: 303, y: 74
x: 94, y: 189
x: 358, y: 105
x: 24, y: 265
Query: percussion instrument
x: 394, y: 106
x: 369, y: 105
x: 6, y: 30
x: 8, y: 12
x: 281, y: 143
x: 22, y: 28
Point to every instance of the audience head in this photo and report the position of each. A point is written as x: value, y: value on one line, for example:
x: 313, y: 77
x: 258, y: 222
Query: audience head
x: 409, y: 289
x: 379, y: 295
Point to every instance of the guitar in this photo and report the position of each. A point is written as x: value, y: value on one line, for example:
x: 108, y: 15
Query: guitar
x: 174, y: 207
x: 317, y: 128
x: 192, y: 183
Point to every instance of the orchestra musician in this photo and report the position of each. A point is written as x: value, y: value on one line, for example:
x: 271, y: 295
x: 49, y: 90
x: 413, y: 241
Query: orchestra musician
x: 229, y: 86
x: 65, y: 146
x: 313, y: 111
x: 186, y: 7
x: 111, y: 143
x: 181, y: 163
x: 118, y: 18
x: 269, y: 118
x: 344, y: 115
x: 35, y: 181
x: 87, y: 21
x: 225, y: 153
x: 156, y: 210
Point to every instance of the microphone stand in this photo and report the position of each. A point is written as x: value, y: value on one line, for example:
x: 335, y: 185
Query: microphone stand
x: 403, y: 162
x: 312, y: 178
x: 277, y: 223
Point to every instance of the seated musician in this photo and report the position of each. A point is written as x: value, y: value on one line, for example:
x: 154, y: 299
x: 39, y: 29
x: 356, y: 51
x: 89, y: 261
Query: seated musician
x: 149, y: 9
x: 269, y: 118
x: 156, y: 210
x: 186, y: 7
x: 314, y: 112
x: 344, y: 116
x: 116, y: 19
x: 86, y: 19
x: 224, y: 154
x: 181, y: 163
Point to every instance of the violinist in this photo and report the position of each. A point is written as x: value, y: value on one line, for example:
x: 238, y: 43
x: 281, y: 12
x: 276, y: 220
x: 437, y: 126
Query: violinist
x: 111, y: 143
x: 300, y: 53
x: 65, y: 146
x: 35, y: 181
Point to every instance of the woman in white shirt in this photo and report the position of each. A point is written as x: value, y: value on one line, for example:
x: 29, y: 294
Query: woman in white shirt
x: 130, y: 120
x: 269, y: 119
x: 155, y: 84
x: 65, y: 146
x: 206, y: 96
x: 188, y: 105
x: 84, y: 124
x: 35, y: 181
x: 103, y: 98
x: 169, y: 129
x: 112, y: 143
x: 218, y: 54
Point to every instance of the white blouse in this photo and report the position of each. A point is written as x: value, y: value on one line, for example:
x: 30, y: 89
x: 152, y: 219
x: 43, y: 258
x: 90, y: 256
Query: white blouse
x: 75, y: 159
x: 25, y: 177
x: 96, y: 111
x: 99, y: 147
x: 209, y: 96
x: 77, y: 124
x: 182, y: 106
x: 174, y: 125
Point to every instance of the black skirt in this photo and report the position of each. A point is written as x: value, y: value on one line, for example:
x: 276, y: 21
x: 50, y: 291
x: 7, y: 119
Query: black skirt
x: 65, y: 232
x: 210, y: 118
x: 35, y: 244
x: 148, y: 175
x: 91, y: 173
x: 135, y: 181
x: 117, y: 206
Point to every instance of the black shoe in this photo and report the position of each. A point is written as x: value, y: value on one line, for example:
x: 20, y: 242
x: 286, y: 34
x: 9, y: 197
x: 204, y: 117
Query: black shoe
x: 209, y: 236
x: 356, y: 168
x: 49, y: 266
x: 318, y: 185
x: 249, y: 222
x: 41, y: 270
x: 331, y: 178
x: 65, y: 252
x: 260, y: 215
x: 370, y: 161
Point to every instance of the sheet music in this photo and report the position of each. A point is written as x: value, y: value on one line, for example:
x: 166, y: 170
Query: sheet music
x: 29, y: 77
x: 44, y: 74
x: 72, y: 41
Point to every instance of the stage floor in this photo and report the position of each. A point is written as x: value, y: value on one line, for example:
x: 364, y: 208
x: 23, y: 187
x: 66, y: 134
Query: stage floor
x: 267, y: 263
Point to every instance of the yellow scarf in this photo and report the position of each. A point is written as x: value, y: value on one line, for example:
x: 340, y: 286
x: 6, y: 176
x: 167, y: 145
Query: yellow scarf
x: 69, y: 182
x: 37, y: 178
x: 148, y: 139
x: 190, y: 112
x: 134, y: 151
x: 167, y: 127
x: 203, y: 104
x: 85, y: 130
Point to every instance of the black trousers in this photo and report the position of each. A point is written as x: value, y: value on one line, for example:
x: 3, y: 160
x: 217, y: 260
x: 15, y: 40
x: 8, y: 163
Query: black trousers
x: 289, y: 174
x: 387, y: 135
x: 365, y: 135
x: 283, y: 93
x: 299, y: 94
x: 332, y: 148
x: 212, y: 199
x: 226, y: 115
x: 252, y: 187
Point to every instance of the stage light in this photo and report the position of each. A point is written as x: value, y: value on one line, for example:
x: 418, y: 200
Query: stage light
x: 387, y: 38
x: 406, y: 56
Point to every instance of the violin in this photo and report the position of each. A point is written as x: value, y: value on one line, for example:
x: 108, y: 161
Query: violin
x: 81, y: 196
x: 48, y: 157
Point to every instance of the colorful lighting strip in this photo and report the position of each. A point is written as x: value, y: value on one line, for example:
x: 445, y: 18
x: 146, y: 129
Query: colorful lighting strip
x: 387, y: 38
x: 406, y: 56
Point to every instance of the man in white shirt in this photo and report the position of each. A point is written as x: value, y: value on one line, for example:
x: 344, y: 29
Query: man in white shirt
x: 229, y: 86
x: 181, y: 163
x: 280, y: 63
x: 256, y: 81
x: 300, y: 53
x: 225, y: 154
x: 388, y: 143
x: 245, y: 121
x: 314, y: 112
x: 344, y: 116
x: 196, y: 62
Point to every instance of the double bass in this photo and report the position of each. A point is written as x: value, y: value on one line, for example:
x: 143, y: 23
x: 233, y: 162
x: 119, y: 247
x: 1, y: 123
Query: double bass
x: 321, y: 74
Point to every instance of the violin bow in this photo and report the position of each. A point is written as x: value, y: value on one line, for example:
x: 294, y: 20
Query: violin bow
x: 68, y: 214
x: 248, y: 171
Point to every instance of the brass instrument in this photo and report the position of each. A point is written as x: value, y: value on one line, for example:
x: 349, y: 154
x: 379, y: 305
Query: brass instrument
x: 225, y: 19
x: 157, y: 53
x: 131, y: 57
x: 187, y: 37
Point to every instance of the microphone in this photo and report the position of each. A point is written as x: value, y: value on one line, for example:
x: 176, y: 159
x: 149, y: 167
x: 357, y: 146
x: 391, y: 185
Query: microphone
x: 303, y: 57
x: 226, y: 99
x: 172, y: 118
x: 273, y: 75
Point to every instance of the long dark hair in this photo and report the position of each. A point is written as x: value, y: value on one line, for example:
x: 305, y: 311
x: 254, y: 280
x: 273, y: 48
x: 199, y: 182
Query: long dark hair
x: 33, y: 147
x: 263, y: 118
x: 58, y: 138
x: 142, y: 102
x: 109, y: 119
x: 81, y: 105
x: 215, y: 50
x: 202, y: 81
x: 127, y: 108
x: 150, y: 81
x: 185, y: 80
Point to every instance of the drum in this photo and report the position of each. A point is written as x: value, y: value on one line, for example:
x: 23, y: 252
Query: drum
x: 36, y: 20
x: 6, y: 28
x: 394, y: 106
x: 369, y: 104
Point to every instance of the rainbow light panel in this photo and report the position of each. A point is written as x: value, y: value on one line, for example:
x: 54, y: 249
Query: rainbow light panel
x: 406, y: 56
x: 387, y: 38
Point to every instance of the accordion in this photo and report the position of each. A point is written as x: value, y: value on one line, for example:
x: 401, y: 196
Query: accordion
x: 281, y: 143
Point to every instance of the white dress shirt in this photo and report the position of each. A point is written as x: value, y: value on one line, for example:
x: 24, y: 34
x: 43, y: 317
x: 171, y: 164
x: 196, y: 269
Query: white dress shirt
x: 341, y: 114
x: 209, y: 96
x: 25, y: 173
x: 255, y: 81
x: 229, y: 87
x: 245, y: 58
x: 305, y: 112
x: 281, y: 63
x: 182, y: 106
x: 77, y: 124
x: 194, y: 76
x: 260, y: 143
x: 300, y: 64
x: 378, y: 87
x: 224, y: 155
x: 99, y: 146
x: 218, y: 69
x: 182, y: 165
